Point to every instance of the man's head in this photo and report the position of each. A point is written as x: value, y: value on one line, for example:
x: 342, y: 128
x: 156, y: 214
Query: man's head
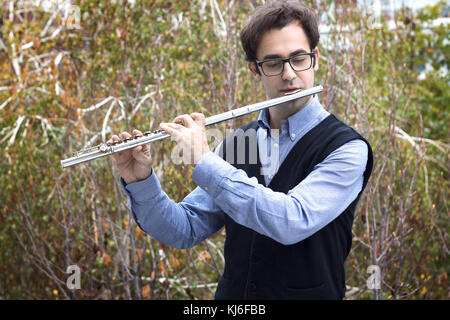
x: 282, y: 29
x: 276, y: 15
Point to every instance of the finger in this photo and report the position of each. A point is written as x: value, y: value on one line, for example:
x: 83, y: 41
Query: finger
x: 184, y: 120
x: 164, y: 127
x: 199, y: 118
x: 116, y: 156
x: 114, y: 138
x: 142, y: 154
x: 170, y: 127
x: 143, y: 148
x: 136, y: 132
x: 175, y: 130
x: 125, y: 135
x: 180, y: 119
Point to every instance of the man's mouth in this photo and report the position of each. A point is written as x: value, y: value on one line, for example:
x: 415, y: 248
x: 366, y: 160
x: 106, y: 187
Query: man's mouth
x: 291, y: 90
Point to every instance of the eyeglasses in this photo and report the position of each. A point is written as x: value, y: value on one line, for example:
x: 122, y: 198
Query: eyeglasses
x: 275, y: 67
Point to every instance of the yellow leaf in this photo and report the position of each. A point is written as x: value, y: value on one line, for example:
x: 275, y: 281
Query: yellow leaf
x: 174, y: 261
x: 106, y: 259
x: 146, y: 291
x: 139, y: 254
x: 161, y: 267
x: 204, y: 256
x: 139, y: 233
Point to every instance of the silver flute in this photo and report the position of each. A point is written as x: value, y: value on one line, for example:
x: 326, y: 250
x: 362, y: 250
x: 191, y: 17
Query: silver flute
x: 109, y: 148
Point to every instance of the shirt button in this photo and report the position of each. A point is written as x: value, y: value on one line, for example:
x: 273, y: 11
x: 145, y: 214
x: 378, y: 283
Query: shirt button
x: 293, y: 135
x: 276, y: 145
x: 206, y: 188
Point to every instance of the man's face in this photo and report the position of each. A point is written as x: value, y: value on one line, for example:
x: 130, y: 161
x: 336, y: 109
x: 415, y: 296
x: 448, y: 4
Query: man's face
x: 283, y: 43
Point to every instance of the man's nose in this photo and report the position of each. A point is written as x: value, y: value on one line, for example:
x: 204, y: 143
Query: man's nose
x: 288, y: 72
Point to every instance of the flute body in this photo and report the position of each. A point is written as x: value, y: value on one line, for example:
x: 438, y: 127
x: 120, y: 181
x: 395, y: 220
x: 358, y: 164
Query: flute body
x: 106, y: 149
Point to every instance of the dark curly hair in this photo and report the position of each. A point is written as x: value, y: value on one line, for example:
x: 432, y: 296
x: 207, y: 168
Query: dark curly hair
x: 276, y: 15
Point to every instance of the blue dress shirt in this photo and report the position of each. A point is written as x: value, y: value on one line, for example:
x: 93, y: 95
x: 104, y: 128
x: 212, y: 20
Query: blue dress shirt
x: 223, y: 189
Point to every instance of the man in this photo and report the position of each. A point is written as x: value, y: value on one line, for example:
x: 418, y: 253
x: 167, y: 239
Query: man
x: 288, y: 232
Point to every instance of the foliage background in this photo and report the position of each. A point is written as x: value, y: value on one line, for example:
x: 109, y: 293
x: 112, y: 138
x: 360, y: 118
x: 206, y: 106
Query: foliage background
x: 134, y: 64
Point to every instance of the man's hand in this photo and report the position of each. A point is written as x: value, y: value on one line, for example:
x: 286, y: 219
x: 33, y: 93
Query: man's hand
x: 134, y: 164
x: 190, y: 134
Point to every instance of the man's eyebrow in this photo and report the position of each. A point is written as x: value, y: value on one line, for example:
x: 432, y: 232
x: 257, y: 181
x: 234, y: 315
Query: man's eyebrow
x: 277, y: 56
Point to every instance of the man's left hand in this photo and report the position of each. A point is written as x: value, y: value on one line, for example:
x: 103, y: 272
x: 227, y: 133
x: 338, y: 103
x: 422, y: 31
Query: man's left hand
x: 190, y: 134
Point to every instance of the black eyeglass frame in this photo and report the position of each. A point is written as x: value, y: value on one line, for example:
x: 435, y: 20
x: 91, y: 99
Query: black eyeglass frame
x: 311, y: 54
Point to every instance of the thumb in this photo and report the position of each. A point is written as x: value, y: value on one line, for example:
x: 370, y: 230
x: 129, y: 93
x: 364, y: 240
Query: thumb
x: 142, y: 154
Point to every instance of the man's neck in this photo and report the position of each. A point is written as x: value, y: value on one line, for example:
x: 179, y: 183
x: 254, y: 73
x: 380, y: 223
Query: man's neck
x: 282, y: 112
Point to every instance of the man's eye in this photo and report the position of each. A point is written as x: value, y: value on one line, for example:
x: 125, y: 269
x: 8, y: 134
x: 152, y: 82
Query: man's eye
x: 273, y: 64
x: 298, y: 60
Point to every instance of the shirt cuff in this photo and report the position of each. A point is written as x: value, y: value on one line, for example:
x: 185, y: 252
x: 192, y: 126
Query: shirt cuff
x: 143, y: 190
x: 210, y: 171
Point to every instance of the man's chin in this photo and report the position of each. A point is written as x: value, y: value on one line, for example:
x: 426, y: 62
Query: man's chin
x: 302, y: 102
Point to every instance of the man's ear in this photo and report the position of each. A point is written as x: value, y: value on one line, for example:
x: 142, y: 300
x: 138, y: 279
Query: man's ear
x: 316, y: 59
x: 254, y: 69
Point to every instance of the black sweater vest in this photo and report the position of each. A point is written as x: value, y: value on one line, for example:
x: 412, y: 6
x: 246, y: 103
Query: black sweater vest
x: 258, y: 267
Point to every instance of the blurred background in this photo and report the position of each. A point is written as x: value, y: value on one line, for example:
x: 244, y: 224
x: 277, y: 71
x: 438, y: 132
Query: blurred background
x: 74, y: 73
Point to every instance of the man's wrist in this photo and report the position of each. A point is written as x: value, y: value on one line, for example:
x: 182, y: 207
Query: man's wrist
x: 199, y: 157
x: 143, y: 190
x: 132, y: 179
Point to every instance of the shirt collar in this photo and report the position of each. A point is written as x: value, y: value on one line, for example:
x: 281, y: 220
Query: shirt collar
x: 296, y: 122
x: 263, y: 119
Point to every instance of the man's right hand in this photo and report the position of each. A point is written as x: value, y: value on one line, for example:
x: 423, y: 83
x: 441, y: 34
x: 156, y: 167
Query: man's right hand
x: 133, y: 164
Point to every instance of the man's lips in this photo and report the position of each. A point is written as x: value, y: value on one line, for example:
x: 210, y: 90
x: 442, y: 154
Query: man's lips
x: 290, y: 90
